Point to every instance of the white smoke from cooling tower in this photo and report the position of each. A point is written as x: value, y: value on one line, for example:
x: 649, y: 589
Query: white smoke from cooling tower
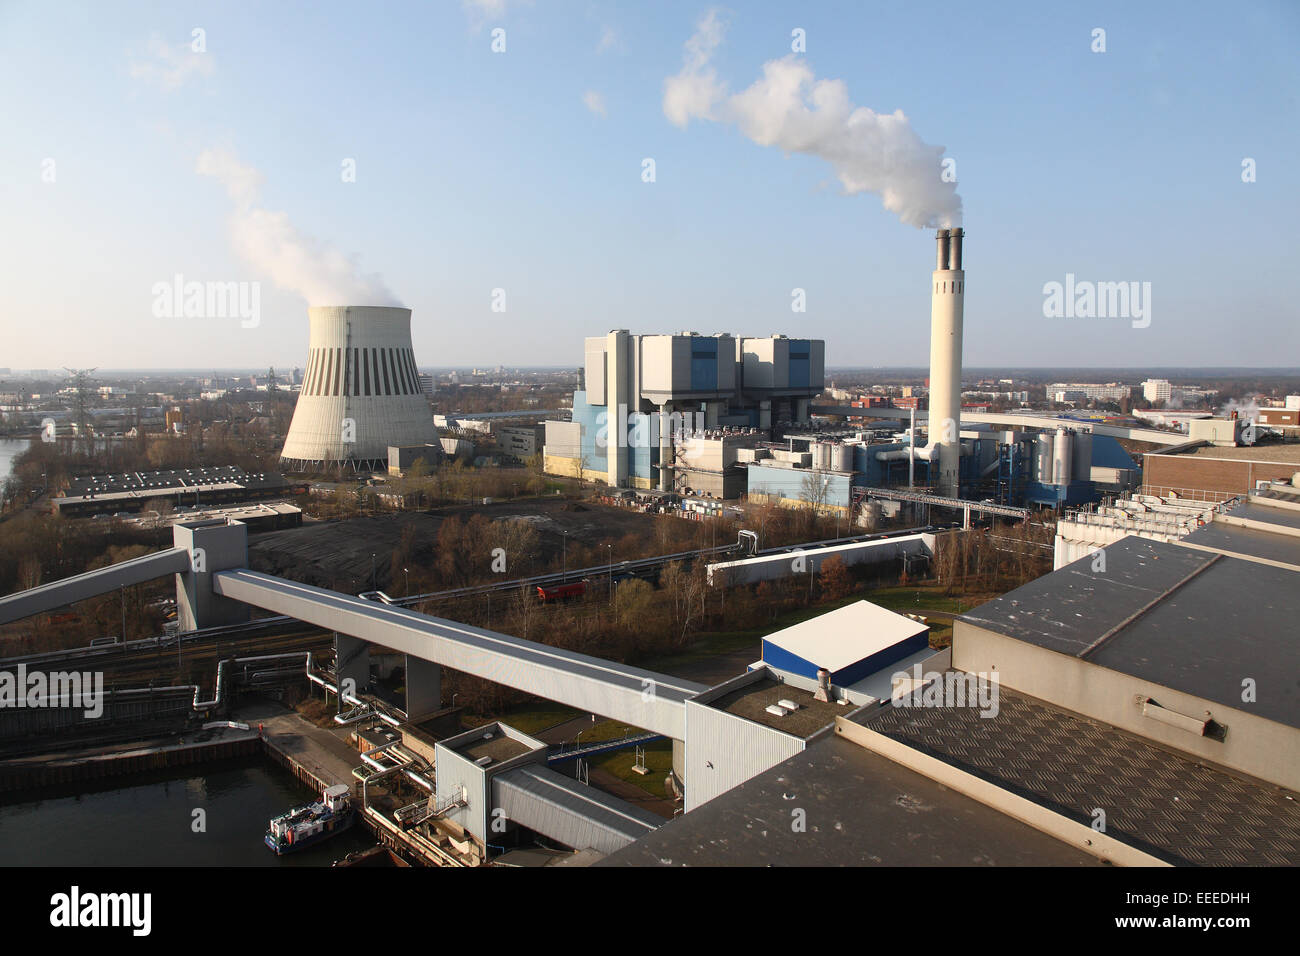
x: 788, y: 107
x: 360, y: 393
x: 269, y: 242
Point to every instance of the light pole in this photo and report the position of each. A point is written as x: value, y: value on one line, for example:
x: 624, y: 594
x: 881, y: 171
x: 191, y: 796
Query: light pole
x: 407, y: 572
x: 610, y: 548
x: 373, y: 585
x: 564, y: 557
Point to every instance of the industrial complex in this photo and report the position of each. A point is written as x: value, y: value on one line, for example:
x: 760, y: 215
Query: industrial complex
x: 727, y: 417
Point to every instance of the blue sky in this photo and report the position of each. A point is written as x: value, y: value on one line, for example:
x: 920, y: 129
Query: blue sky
x: 478, y: 170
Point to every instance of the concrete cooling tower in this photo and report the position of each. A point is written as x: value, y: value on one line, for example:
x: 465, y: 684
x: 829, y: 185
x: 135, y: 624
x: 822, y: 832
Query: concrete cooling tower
x: 360, y: 393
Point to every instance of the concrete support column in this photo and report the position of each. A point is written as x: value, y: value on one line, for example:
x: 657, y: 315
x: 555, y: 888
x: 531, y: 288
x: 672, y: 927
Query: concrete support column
x: 423, y: 687
x: 213, y: 546
x: 351, y: 664
x: 765, y: 414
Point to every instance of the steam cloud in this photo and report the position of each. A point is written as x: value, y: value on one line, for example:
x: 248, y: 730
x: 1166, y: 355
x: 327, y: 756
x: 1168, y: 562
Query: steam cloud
x: 1247, y: 410
x: 268, y: 241
x: 788, y: 107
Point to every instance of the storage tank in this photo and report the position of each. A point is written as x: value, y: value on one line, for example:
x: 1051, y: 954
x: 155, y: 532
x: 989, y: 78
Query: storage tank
x: 842, y: 457
x: 822, y: 456
x: 1043, y: 459
x: 1062, y: 457
x: 1082, y: 470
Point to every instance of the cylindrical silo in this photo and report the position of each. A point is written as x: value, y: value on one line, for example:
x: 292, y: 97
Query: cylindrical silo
x: 1043, y: 458
x: 1082, y: 470
x: 360, y: 393
x: 1062, y: 457
x: 842, y: 457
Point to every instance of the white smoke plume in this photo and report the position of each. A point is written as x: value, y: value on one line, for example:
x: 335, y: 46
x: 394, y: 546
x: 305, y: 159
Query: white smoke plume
x: 788, y: 107
x: 1246, y: 411
x: 268, y: 241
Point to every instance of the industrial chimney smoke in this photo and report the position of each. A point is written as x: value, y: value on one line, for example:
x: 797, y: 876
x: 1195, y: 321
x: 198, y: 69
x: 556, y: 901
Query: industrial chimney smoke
x: 946, y: 308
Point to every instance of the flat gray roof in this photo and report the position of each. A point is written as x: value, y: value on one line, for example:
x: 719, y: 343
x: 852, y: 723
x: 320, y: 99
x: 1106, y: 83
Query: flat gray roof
x: 1284, y: 517
x: 751, y: 702
x: 1190, y: 620
x: 1249, y: 541
x: 1170, y: 806
x: 862, y: 810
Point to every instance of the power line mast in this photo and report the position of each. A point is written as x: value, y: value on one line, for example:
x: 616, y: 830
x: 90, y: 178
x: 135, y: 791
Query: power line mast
x: 81, y: 382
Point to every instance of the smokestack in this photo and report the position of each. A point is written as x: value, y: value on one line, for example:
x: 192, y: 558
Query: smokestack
x: 947, y: 298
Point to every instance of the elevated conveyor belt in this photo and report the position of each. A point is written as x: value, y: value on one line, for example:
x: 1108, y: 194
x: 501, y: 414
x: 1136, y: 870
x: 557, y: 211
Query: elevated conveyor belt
x: 47, y: 597
x: 637, y: 697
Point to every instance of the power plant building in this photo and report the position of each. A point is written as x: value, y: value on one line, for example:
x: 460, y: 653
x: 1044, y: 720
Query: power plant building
x: 672, y: 411
x: 360, y: 394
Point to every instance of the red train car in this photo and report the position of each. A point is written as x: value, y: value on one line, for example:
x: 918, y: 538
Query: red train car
x: 561, y: 592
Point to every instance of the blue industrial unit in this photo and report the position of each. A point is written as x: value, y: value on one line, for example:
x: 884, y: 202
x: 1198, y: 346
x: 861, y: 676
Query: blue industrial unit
x: 851, y: 643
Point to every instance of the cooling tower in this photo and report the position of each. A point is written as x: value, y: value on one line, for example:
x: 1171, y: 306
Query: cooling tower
x: 360, y: 393
x: 946, y: 306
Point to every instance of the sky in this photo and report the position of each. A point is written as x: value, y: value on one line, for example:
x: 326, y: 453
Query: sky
x: 484, y: 164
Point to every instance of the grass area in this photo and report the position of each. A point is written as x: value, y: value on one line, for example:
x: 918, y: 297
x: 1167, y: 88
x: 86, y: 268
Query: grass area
x: 317, y: 712
x: 531, y: 718
x: 924, y: 597
x: 606, y: 730
x: 658, y: 757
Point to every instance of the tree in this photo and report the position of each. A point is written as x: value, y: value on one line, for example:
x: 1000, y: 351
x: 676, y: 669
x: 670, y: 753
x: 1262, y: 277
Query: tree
x: 834, y: 577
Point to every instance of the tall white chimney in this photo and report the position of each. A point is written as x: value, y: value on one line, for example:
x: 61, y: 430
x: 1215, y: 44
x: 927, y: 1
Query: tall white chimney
x: 946, y: 306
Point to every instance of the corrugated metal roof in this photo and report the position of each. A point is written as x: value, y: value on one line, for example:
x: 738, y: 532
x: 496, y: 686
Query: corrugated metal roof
x: 573, y: 813
x: 1174, y: 617
x: 1171, y: 806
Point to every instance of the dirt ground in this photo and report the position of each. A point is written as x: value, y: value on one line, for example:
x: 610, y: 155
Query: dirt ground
x: 337, y: 554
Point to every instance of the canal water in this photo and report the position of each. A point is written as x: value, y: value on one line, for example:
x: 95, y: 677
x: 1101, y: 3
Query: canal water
x: 150, y: 821
x: 10, y: 448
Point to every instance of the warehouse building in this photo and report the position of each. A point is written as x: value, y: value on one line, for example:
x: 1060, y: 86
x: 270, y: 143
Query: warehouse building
x: 134, y: 492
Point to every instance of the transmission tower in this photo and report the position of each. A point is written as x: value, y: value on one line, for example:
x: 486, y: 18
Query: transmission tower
x: 81, y: 382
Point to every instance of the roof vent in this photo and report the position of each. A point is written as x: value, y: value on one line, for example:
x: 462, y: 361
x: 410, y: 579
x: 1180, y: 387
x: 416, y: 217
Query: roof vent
x: 787, y: 704
x: 776, y: 710
x: 483, y: 761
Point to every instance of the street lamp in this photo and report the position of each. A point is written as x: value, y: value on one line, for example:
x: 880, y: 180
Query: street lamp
x: 407, y: 572
x: 373, y: 585
x: 564, y: 557
x: 610, y: 548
